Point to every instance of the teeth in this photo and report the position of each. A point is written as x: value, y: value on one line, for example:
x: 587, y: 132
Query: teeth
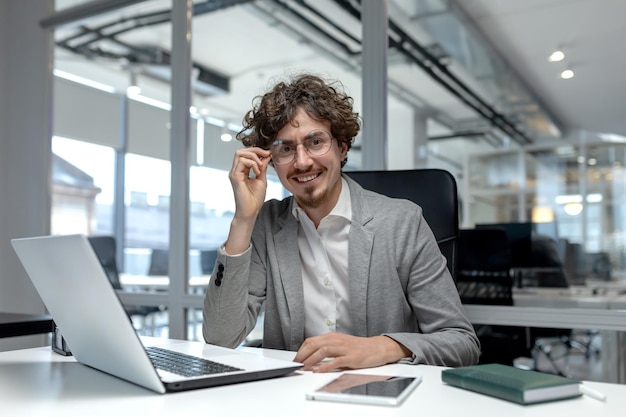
x: 305, y: 179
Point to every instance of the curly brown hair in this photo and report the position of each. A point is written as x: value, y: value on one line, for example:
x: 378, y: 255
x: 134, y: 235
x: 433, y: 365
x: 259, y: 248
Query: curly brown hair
x: 321, y: 100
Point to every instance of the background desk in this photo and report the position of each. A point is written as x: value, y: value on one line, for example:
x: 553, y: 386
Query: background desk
x: 159, y: 282
x: 37, y: 382
x: 598, y: 308
x: 18, y: 324
x: 573, y: 297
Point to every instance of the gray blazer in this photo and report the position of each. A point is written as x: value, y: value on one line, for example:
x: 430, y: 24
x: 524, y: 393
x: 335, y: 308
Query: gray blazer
x: 398, y: 279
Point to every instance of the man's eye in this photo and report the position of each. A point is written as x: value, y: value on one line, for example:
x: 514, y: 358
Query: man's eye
x: 285, y: 149
x: 314, y: 143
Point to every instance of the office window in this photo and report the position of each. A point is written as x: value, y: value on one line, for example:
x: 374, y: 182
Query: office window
x: 147, y: 223
x: 82, y: 193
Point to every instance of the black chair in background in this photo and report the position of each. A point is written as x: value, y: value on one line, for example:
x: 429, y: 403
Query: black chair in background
x: 159, y: 262
x: 105, y: 247
x: 485, y: 276
x: 207, y: 261
x: 432, y: 189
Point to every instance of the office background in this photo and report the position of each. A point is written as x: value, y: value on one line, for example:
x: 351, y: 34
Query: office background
x: 516, y: 138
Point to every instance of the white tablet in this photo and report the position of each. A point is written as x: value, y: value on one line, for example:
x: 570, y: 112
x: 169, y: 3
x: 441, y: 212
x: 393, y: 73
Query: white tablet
x: 366, y: 389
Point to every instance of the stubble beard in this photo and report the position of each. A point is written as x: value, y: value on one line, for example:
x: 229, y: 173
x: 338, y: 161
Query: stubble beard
x: 309, y: 199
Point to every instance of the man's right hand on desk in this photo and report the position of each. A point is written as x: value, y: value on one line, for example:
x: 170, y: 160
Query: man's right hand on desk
x: 348, y: 352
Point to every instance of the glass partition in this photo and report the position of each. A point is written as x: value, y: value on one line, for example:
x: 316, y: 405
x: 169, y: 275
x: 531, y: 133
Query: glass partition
x: 572, y: 191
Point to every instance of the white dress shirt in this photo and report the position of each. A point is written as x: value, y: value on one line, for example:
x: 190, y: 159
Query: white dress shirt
x: 324, y: 260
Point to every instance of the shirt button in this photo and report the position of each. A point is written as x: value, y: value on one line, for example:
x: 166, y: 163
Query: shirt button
x: 326, y: 282
x: 329, y: 323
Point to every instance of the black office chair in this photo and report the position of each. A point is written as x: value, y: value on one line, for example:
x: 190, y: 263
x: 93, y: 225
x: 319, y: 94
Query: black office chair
x: 432, y: 189
x: 159, y: 262
x: 104, y: 247
x: 207, y: 261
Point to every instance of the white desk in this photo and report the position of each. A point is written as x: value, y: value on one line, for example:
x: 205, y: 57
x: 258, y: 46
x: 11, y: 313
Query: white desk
x: 154, y: 282
x: 37, y: 382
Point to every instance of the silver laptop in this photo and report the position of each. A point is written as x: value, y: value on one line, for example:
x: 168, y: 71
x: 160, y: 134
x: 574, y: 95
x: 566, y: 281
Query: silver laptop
x: 76, y: 290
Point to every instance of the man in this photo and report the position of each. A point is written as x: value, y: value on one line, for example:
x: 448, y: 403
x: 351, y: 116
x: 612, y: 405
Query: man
x: 349, y: 278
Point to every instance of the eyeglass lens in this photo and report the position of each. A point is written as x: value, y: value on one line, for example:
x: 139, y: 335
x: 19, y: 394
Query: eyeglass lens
x: 316, y: 143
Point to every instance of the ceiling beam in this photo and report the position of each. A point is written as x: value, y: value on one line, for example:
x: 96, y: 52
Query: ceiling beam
x: 72, y: 15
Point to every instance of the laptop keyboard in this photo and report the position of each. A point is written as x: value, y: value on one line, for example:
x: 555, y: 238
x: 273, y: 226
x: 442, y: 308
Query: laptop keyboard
x: 185, y: 365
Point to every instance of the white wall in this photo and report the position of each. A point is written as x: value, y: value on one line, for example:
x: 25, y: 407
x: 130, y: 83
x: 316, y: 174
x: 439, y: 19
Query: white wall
x: 25, y: 132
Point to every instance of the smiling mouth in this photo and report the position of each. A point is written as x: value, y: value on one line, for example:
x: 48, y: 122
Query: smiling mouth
x: 307, y: 178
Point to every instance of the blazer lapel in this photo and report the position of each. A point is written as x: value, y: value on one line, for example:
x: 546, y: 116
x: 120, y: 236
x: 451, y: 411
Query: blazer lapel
x: 286, y: 243
x: 361, y: 241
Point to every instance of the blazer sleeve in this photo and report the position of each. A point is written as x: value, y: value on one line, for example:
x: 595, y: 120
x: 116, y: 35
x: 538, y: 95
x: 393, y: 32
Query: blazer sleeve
x: 445, y: 336
x: 231, y: 304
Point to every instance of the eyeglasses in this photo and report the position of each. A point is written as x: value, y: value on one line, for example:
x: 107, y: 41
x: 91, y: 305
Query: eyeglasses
x: 316, y: 143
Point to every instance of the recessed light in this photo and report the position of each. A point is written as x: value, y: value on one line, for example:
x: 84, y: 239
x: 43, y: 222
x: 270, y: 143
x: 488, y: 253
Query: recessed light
x: 133, y: 90
x: 573, y: 209
x: 567, y: 74
x: 556, y: 56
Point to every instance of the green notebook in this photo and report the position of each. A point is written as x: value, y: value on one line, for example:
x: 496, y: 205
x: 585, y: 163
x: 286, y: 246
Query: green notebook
x: 512, y: 384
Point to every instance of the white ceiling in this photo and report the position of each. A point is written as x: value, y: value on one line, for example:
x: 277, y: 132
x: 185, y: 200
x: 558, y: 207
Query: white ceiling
x: 590, y: 32
x: 250, y: 44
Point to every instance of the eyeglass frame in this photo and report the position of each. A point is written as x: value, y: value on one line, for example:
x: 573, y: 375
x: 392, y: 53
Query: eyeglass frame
x: 308, y: 136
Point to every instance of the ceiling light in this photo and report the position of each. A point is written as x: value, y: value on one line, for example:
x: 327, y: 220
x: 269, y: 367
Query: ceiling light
x: 611, y: 137
x: 556, y: 56
x: 567, y: 74
x: 83, y: 81
x: 573, y: 209
x: 133, y: 90
x: 594, y: 198
x: 200, y: 142
x: 151, y: 102
x: 226, y: 136
x: 570, y: 198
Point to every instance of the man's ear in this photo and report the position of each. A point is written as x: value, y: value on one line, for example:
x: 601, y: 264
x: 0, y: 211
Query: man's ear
x: 344, y: 150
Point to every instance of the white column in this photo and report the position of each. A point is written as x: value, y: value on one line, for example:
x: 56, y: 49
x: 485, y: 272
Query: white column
x: 180, y: 152
x: 374, y: 78
x: 420, y: 140
x: 25, y: 143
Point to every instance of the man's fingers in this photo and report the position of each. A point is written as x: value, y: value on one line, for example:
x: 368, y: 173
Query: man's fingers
x: 322, y: 353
